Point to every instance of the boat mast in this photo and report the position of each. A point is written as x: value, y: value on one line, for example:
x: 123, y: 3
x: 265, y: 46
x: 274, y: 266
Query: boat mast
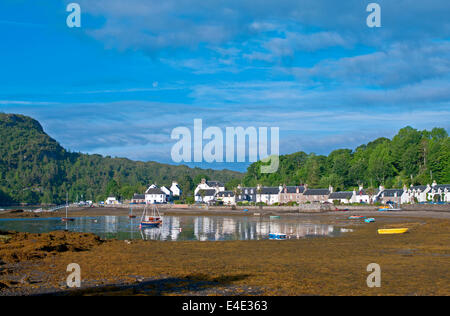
x: 67, y: 202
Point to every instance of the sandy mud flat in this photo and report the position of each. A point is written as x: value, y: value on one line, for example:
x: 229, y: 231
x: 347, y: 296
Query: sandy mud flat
x: 414, y: 263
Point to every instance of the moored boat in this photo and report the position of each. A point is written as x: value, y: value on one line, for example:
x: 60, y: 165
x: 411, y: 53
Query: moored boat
x: 153, y: 220
x: 387, y: 231
x: 369, y: 220
x: 356, y: 217
x: 67, y: 218
x: 277, y: 236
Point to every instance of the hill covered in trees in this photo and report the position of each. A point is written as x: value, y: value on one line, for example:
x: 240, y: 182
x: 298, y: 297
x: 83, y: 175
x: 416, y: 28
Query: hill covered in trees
x: 34, y: 168
x: 411, y: 157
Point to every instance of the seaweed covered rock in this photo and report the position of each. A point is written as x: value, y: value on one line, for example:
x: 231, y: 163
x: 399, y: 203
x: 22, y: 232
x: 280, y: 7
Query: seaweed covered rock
x: 24, y: 246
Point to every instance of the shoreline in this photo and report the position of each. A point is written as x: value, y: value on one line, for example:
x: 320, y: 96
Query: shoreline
x: 423, y: 211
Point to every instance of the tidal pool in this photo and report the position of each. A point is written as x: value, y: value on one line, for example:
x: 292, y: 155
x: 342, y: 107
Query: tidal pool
x: 177, y: 228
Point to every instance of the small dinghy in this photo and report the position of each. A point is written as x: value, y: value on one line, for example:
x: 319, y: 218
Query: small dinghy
x: 131, y: 214
x: 392, y: 231
x: 150, y: 220
x: 356, y: 217
x: 341, y: 209
x: 370, y: 220
x: 277, y: 236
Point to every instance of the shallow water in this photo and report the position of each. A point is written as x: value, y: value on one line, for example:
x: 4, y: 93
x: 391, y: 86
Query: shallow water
x: 177, y: 228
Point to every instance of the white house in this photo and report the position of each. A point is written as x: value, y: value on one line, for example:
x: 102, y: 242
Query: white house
x: 209, y: 185
x: 227, y: 197
x: 268, y: 195
x: 168, y: 193
x: 388, y: 195
x: 360, y: 196
x: 205, y: 196
x: 418, y: 193
x: 111, y: 201
x: 155, y: 196
x: 439, y: 192
x: 176, y: 191
x: 344, y: 197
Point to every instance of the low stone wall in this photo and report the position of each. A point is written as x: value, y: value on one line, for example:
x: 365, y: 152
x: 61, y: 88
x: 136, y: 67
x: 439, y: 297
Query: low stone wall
x: 427, y: 207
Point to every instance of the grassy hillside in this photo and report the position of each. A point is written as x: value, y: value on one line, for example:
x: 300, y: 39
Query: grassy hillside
x: 34, y: 168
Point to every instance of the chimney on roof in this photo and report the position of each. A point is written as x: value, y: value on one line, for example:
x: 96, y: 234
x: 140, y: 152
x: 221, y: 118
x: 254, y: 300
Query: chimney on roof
x: 434, y: 183
x: 361, y: 187
x: 203, y: 181
x: 381, y: 187
x: 297, y: 190
x: 330, y: 188
x: 280, y: 188
x: 306, y: 186
x: 258, y: 187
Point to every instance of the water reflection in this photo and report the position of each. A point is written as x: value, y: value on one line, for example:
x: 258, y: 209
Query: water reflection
x: 178, y: 228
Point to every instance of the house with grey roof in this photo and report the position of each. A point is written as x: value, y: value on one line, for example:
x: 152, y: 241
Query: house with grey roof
x: 343, y: 197
x: 154, y: 195
x: 205, y: 196
x: 361, y: 196
x: 209, y: 185
x: 417, y: 193
x: 138, y: 199
x: 439, y: 192
x: 291, y: 194
x: 316, y: 195
x: 388, y: 195
x: 268, y: 195
x: 227, y: 197
x: 245, y: 194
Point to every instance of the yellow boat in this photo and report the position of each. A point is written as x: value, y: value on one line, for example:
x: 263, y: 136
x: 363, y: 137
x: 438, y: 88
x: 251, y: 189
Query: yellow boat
x: 392, y: 231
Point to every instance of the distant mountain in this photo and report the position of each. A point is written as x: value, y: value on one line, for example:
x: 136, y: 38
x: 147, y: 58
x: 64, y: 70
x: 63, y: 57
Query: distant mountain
x: 411, y: 157
x: 34, y: 168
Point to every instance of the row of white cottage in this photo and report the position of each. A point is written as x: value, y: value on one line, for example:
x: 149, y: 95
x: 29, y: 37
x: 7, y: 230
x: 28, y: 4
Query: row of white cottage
x: 158, y: 195
x: 211, y: 191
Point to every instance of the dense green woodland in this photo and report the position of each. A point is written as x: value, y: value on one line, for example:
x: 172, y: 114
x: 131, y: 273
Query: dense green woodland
x: 34, y: 168
x: 411, y: 157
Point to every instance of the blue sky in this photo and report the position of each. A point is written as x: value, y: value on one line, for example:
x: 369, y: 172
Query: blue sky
x: 138, y: 68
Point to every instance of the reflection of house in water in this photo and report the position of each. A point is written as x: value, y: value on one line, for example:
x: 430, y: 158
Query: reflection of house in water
x: 204, y: 227
x: 226, y: 228
x: 296, y: 230
x: 170, y: 228
x: 111, y: 224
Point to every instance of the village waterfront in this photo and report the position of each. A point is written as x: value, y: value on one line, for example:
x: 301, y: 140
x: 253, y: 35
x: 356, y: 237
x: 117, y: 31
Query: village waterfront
x: 415, y: 263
